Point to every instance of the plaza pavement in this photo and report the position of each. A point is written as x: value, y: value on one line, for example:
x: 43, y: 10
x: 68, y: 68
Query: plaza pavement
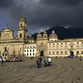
x: 61, y: 71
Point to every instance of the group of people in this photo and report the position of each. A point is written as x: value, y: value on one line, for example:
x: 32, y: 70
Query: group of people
x: 47, y: 61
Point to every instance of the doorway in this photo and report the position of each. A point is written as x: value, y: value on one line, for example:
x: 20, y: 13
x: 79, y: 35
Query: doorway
x: 71, y: 53
x: 42, y: 53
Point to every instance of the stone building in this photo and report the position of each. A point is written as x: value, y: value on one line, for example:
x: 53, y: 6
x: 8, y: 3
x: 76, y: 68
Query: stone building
x: 42, y: 46
x: 53, y: 47
x: 30, y: 47
x: 11, y: 45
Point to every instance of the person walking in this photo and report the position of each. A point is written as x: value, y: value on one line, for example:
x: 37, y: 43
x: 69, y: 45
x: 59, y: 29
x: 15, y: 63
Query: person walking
x: 45, y: 61
x: 49, y: 61
x: 2, y: 62
x: 38, y: 62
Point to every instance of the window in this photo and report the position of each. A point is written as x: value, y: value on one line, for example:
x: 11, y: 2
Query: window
x: 53, y: 48
x: 57, y: 47
x: 21, y: 25
x: 33, y: 50
x: 53, y: 43
x: 71, y: 47
x: 27, y: 50
x: 77, y: 52
x: 24, y: 50
x: 57, y: 43
x: 33, y: 54
x: 20, y: 35
x: 82, y: 42
x: 77, y: 42
x: 30, y: 54
x: 81, y: 52
x: 30, y: 46
x: 42, y: 43
x: 77, y: 47
x: 82, y: 47
x: 61, y: 47
x: 65, y: 52
x: 25, y: 46
x: 65, y: 47
x: 57, y: 52
x: 49, y: 52
x: 49, y: 48
x: 30, y: 50
x: 61, y: 43
x: 49, y: 44
x: 65, y: 43
x: 53, y: 52
x: 61, y: 52
x: 27, y: 54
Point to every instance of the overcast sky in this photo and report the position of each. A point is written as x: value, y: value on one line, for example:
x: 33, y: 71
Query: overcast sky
x: 41, y: 14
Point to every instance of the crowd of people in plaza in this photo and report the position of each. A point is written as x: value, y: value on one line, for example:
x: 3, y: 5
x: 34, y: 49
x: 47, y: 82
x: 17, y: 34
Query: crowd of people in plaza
x: 47, y: 61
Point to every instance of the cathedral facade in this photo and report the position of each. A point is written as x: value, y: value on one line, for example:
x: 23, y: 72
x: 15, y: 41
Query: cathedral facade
x: 9, y: 45
x: 42, y: 46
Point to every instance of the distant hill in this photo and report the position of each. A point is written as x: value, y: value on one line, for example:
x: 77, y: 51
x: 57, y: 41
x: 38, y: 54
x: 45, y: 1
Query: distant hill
x: 64, y: 33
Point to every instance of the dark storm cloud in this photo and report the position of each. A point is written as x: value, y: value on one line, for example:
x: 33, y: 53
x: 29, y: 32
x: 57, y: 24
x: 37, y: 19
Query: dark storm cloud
x: 6, y: 3
x: 62, y: 2
x: 45, y: 13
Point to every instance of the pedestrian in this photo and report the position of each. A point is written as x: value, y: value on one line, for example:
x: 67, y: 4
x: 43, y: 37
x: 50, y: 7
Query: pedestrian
x: 45, y: 61
x: 80, y: 58
x: 49, y: 61
x: 38, y: 62
x: 2, y: 62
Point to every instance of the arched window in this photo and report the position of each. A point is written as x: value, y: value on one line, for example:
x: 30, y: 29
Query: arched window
x: 20, y: 35
x: 21, y: 25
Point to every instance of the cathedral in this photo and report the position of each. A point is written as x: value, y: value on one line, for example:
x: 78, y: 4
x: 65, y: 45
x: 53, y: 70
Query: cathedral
x: 9, y: 45
x: 42, y: 46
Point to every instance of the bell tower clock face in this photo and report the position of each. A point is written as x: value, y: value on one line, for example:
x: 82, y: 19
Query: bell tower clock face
x: 6, y: 35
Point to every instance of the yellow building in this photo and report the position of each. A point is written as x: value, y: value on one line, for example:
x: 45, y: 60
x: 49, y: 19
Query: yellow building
x: 9, y: 45
x: 43, y: 45
x: 53, y: 47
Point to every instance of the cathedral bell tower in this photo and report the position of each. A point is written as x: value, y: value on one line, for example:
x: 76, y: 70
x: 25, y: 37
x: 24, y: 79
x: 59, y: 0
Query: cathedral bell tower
x: 22, y: 30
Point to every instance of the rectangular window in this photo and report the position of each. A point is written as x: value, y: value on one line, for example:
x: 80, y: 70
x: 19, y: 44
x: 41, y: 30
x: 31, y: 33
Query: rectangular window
x: 53, y: 44
x: 27, y: 50
x: 33, y: 50
x: 53, y: 48
x: 77, y: 47
x: 27, y: 54
x: 71, y: 47
x: 49, y: 52
x: 49, y: 48
x: 65, y: 47
x: 77, y: 52
x: 61, y: 52
x: 30, y: 54
x: 53, y: 52
x: 65, y: 52
x: 25, y: 46
x: 57, y: 47
x: 82, y: 47
x: 61, y: 47
x: 57, y: 52
x: 81, y: 52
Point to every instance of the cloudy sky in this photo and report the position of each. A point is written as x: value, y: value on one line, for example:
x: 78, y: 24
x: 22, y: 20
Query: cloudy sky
x: 41, y: 14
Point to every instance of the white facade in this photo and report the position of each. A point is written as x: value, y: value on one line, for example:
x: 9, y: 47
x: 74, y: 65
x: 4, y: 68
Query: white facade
x: 30, y: 50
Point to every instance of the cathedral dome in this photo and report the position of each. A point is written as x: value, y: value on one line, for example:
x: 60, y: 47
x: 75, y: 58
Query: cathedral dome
x: 53, y: 36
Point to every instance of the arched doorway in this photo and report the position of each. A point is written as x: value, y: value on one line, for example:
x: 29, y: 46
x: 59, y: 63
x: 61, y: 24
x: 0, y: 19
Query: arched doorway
x: 42, y: 53
x: 71, y: 53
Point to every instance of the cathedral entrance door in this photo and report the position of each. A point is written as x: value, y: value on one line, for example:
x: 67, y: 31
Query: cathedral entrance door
x: 41, y: 53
